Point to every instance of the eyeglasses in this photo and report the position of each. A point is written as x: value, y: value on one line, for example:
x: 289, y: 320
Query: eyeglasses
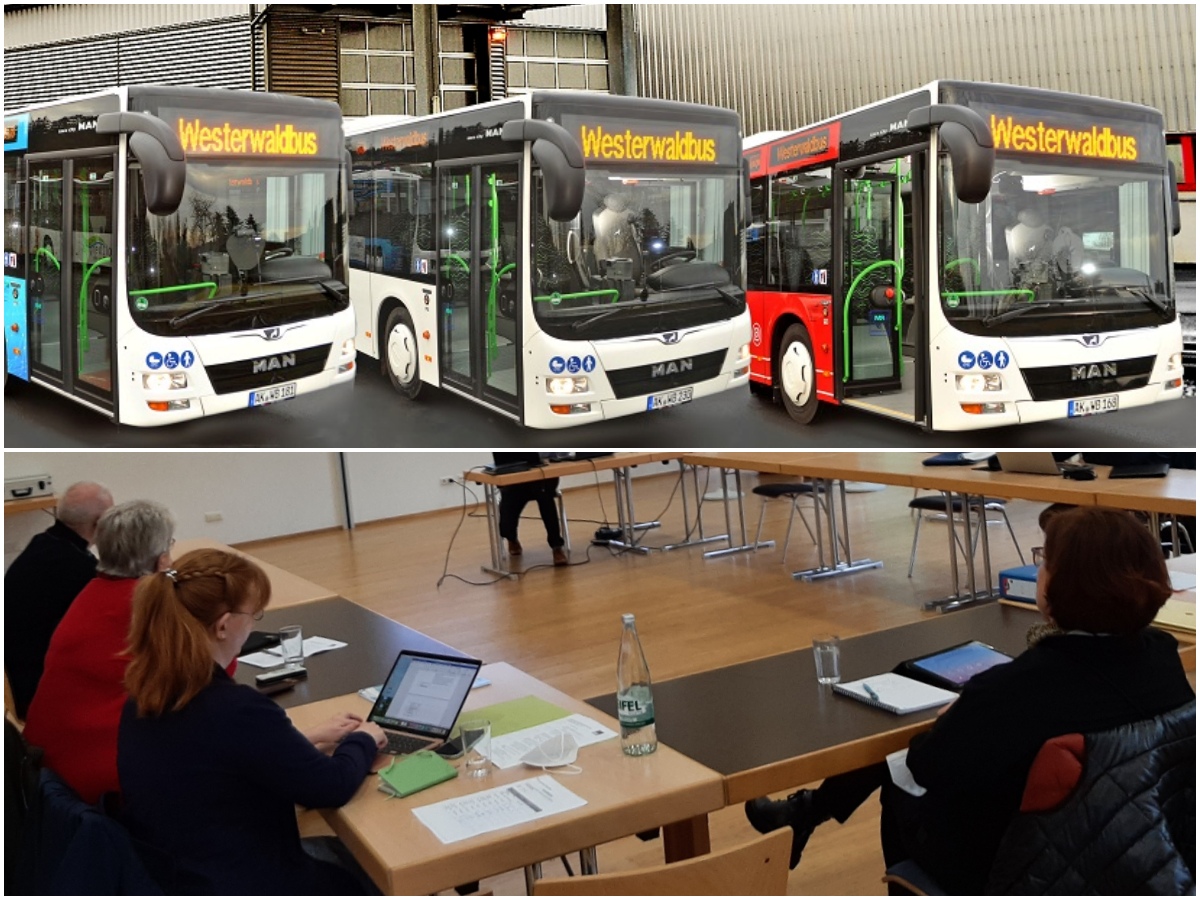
x: 1039, y: 555
x: 256, y: 616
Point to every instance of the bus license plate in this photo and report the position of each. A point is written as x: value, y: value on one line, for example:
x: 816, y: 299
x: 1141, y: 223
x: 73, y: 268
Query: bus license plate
x: 670, y: 398
x: 1090, y: 406
x: 273, y: 394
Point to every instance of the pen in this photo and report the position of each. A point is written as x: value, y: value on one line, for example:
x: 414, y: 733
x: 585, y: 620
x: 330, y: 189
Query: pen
x: 870, y: 691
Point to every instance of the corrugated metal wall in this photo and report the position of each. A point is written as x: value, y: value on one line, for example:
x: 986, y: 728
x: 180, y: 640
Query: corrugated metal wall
x: 213, y: 54
x: 73, y: 21
x: 785, y: 65
x: 302, y: 55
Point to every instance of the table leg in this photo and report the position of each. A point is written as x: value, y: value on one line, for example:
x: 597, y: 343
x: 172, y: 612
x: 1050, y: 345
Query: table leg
x: 625, y: 519
x: 533, y: 873
x: 688, y: 540
x: 745, y: 545
x: 837, y: 540
x: 973, y: 594
x: 587, y: 861
x: 686, y: 839
x: 491, y: 494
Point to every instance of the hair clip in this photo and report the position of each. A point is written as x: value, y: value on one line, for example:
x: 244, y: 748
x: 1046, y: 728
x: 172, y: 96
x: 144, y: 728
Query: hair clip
x: 172, y: 573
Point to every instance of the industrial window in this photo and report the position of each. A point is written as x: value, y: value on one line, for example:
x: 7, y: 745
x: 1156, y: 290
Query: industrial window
x: 378, y: 68
x: 571, y: 60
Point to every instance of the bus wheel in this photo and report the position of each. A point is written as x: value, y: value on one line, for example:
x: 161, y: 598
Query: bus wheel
x: 796, y: 375
x: 401, y: 358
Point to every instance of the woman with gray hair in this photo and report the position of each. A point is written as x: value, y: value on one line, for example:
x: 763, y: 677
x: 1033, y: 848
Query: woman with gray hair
x: 77, y: 707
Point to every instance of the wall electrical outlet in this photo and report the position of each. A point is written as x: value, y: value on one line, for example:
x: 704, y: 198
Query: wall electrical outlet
x: 448, y: 479
x: 213, y: 517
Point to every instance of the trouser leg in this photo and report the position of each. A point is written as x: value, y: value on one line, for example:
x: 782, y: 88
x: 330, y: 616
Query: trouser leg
x: 838, y: 797
x: 512, y: 501
x: 549, y: 511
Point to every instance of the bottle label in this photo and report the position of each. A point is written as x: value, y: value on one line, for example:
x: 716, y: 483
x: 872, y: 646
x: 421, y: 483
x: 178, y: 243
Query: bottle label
x: 635, y: 708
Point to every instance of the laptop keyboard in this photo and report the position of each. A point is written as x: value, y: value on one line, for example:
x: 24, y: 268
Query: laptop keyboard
x: 400, y: 744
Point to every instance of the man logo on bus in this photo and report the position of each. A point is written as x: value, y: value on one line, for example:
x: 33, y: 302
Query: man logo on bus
x: 674, y: 367
x: 1091, y: 340
x: 670, y: 337
x: 1086, y: 372
x: 272, y: 334
x: 272, y: 363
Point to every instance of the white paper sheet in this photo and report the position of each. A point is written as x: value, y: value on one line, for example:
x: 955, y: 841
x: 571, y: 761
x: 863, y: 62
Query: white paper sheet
x: 508, y: 749
x: 502, y: 807
x: 273, y: 658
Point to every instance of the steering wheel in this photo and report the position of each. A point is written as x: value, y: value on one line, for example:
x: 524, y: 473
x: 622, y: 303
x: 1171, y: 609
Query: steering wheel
x: 277, y: 252
x: 685, y: 255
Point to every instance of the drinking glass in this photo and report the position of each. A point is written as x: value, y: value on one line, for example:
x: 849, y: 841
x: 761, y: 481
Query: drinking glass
x: 827, y: 656
x: 477, y: 745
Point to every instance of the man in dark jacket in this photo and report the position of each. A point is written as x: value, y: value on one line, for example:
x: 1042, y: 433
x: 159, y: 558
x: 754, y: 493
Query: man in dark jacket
x: 43, y: 581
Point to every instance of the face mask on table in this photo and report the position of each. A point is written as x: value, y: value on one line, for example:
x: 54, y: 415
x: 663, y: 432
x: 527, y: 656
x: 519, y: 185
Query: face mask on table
x: 557, y: 750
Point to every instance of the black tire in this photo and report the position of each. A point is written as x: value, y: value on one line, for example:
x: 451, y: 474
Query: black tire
x: 795, y: 374
x: 399, y: 354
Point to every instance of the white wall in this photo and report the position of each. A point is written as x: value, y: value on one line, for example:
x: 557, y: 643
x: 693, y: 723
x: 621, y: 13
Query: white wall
x: 260, y: 494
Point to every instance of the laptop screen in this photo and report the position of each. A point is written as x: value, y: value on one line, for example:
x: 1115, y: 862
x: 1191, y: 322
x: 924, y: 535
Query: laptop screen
x: 424, y: 693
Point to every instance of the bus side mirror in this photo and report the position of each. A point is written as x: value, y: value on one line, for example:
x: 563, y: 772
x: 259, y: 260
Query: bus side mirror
x: 1176, y: 215
x: 561, y: 160
x: 969, y: 140
x: 745, y: 193
x: 157, y: 147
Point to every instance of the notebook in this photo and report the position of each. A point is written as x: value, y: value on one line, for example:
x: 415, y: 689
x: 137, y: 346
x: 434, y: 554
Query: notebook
x: 1033, y: 463
x: 421, y: 699
x: 415, y: 773
x: 1177, y: 614
x: 896, y: 693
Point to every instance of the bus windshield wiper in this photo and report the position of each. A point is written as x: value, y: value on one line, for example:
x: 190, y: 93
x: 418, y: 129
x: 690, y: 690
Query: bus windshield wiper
x: 584, y: 323
x: 327, y: 289
x: 729, y: 297
x: 1151, y: 300
x: 997, y: 318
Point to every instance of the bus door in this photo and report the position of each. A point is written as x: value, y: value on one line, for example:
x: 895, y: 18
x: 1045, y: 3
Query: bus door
x: 878, y: 284
x: 71, y: 207
x: 478, y: 280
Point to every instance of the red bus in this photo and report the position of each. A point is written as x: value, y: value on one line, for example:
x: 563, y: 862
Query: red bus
x: 965, y: 256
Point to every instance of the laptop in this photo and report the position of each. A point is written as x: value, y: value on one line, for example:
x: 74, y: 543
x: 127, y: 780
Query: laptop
x: 1033, y: 463
x: 421, y: 699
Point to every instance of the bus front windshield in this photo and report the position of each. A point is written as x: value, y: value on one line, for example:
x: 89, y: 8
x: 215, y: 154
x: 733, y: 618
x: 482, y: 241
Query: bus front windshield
x: 1056, y: 251
x: 251, y: 246
x: 646, y: 254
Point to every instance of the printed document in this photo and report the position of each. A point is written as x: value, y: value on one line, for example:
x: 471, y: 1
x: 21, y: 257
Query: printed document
x: 270, y: 659
x: 512, y: 804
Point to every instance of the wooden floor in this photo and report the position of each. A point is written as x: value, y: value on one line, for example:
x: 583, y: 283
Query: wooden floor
x: 693, y: 614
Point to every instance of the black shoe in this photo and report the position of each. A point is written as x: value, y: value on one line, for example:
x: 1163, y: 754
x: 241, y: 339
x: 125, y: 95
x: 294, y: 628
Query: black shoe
x: 796, y: 811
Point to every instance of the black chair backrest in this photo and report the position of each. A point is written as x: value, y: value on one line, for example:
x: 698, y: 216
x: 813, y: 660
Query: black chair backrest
x: 21, y: 765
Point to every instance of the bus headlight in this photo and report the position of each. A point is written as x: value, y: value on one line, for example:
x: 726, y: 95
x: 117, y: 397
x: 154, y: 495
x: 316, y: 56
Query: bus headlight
x: 564, y: 385
x: 976, y: 382
x: 348, y: 347
x: 164, y: 381
x: 744, y: 352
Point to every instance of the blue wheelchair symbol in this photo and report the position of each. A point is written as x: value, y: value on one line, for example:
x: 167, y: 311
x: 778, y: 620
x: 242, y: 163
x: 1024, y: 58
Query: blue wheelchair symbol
x: 985, y: 360
x: 573, y: 365
x: 171, y: 360
x: 966, y: 360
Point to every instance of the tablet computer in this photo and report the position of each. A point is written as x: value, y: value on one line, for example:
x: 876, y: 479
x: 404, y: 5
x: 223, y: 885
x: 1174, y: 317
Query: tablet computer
x: 954, y: 667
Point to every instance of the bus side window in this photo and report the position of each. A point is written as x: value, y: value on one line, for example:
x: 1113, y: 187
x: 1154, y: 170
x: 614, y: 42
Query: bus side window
x: 756, y: 237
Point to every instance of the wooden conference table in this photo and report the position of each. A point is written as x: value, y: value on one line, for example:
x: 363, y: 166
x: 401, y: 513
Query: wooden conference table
x: 625, y: 795
x: 1174, y: 494
x: 766, y: 725
x: 286, y: 589
x: 618, y: 463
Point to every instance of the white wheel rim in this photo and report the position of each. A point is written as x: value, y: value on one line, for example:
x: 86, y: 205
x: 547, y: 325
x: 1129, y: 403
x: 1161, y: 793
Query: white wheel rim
x: 402, y: 353
x: 796, y: 373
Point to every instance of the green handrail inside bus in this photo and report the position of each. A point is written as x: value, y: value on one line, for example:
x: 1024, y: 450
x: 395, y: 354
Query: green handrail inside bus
x: 557, y: 298
x: 146, y: 292
x: 83, y: 308
x: 37, y: 257
x: 963, y: 260
x: 494, y: 233
x: 846, y: 309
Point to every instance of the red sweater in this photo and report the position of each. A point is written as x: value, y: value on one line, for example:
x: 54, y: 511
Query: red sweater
x: 77, y: 707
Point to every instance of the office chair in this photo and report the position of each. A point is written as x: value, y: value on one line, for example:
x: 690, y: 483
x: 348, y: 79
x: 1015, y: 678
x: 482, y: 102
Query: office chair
x: 759, y: 868
x: 935, y: 504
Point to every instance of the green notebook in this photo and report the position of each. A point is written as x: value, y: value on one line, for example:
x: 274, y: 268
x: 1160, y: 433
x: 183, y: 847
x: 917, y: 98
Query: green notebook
x: 415, y: 772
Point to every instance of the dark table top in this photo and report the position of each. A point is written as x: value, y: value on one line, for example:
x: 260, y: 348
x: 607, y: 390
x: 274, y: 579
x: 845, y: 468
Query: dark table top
x: 767, y: 725
x: 373, y: 643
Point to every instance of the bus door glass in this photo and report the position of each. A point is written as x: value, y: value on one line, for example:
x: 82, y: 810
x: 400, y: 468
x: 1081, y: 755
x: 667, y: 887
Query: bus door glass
x: 877, y: 276
x: 478, y: 280
x: 70, y: 283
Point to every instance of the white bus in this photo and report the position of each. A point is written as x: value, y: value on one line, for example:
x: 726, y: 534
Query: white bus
x: 171, y: 252
x: 560, y: 258
x: 966, y: 256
